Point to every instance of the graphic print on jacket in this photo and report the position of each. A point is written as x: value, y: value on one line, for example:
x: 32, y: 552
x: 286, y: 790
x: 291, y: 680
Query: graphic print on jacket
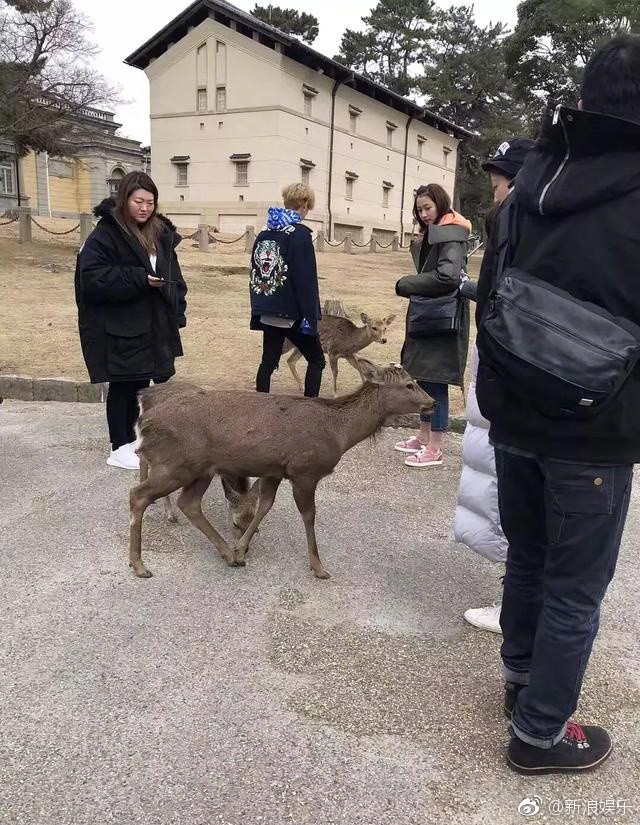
x: 269, y: 270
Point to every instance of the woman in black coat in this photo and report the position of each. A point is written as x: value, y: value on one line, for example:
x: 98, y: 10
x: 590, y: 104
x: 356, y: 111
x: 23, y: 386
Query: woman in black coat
x: 439, y: 359
x: 131, y: 303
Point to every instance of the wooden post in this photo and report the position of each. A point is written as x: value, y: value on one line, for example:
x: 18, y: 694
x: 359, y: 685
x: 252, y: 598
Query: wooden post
x: 395, y: 244
x: 373, y: 244
x: 250, y: 239
x: 320, y: 241
x: 86, y: 227
x: 24, y: 224
x: 347, y: 243
x: 203, y: 237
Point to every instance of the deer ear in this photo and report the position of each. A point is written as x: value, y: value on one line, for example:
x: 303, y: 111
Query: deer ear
x: 232, y: 496
x: 364, y: 317
x: 390, y: 318
x: 254, y: 491
x: 368, y: 370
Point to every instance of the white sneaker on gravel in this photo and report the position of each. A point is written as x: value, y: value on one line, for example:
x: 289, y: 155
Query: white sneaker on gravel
x: 486, y: 618
x: 124, y: 458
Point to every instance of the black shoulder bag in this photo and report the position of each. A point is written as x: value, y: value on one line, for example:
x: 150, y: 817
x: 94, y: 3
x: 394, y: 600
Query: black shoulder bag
x: 566, y: 357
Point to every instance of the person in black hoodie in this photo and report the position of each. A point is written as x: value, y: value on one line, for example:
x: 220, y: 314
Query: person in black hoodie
x: 131, y: 303
x: 283, y: 284
x: 564, y: 485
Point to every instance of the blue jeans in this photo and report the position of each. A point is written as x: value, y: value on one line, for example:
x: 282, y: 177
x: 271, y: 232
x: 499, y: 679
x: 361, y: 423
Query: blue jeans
x: 563, y: 522
x: 439, y: 417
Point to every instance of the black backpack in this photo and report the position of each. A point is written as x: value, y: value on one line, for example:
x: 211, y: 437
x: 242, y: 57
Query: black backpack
x: 565, y: 357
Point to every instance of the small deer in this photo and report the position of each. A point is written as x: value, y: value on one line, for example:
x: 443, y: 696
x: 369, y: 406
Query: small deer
x: 242, y: 499
x: 186, y: 441
x: 341, y: 338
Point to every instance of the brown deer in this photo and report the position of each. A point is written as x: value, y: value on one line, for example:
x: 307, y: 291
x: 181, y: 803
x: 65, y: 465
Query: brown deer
x: 341, y: 338
x: 186, y: 441
x: 241, y: 499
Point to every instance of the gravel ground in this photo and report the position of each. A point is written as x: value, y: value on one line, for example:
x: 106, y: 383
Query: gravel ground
x: 260, y: 696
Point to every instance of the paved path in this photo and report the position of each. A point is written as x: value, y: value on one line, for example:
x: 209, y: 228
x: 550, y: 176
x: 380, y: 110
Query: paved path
x: 260, y: 696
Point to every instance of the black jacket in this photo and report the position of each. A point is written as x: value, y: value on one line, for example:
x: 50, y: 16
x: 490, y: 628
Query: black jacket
x: 128, y: 329
x: 576, y: 225
x: 283, y: 279
x: 439, y: 260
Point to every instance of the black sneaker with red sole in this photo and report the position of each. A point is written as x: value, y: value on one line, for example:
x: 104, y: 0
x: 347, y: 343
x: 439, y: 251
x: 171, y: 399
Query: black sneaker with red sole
x: 581, y: 749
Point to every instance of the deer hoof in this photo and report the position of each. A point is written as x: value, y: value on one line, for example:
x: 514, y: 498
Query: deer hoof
x: 140, y: 570
x: 322, y: 574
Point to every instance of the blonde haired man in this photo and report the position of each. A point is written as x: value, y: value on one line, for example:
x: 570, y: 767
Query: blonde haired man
x: 283, y: 281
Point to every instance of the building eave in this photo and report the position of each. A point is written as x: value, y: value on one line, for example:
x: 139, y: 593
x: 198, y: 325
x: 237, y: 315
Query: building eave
x: 293, y: 48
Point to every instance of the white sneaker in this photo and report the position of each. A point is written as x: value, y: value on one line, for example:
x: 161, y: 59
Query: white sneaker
x: 486, y: 618
x: 124, y: 457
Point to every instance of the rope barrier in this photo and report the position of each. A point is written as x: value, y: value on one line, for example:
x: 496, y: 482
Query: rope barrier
x: 384, y: 246
x: 50, y: 231
x: 360, y: 245
x: 219, y: 240
x: 6, y: 223
x: 334, y: 244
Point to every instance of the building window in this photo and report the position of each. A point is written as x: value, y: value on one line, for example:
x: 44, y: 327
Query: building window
x: 420, y: 147
x: 221, y: 99
x: 305, y: 170
x: 309, y: 93
x: 387, y: 186
x: 391, y: 127
x: 241, y: 162
x: 353, y: 118
x: 242, y: 174
x: 182, y: 170
x: 202, y: 100
x: 350, y: 178
x: 308, y: 105
x: 446, y: 151
x: 7, y: 179
x: 114, y: 181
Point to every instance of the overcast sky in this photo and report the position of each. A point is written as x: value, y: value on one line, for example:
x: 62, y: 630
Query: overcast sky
x: 120, y: 26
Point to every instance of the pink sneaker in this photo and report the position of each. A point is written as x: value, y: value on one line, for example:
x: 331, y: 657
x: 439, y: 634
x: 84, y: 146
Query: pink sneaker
x: 427, y: 457
x: 411, y: 445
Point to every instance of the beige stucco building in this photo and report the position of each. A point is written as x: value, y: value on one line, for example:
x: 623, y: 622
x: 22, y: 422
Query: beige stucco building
x: 239, y: 109
x: 71, y: 185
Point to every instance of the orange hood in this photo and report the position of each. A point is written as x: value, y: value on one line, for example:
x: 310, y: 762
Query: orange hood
x: 456, y: 219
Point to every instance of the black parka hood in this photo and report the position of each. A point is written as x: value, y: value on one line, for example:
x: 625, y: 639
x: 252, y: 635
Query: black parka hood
x: 580, y: 160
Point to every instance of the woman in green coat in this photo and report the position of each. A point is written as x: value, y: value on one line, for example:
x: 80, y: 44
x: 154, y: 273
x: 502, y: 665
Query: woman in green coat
x: 438, y: 360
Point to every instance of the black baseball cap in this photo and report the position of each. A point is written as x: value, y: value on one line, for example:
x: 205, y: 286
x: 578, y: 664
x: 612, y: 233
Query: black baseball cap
x: 509, y: 157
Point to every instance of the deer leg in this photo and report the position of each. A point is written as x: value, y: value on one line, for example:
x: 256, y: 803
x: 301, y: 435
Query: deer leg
x: 333, y: 363
x: 190, y: 502
x: 292, y: 361
x: 140, y: 498
x: 170, y: 510
x: 268, y: 489
x: 304, y: 494
x: 144, y: 468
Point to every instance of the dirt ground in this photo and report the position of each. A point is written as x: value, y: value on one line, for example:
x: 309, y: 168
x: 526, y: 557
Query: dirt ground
x: 38, y: 320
